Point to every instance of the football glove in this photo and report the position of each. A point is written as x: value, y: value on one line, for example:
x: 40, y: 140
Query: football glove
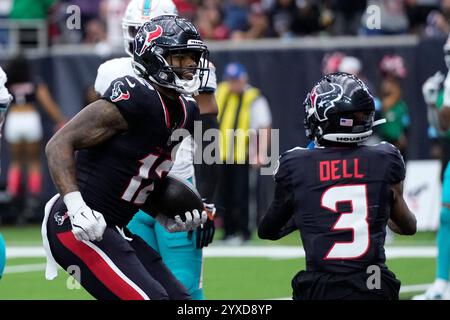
x: 87, y: 224
x: 205, y: 232
x: 193, y: 220
x: 430, y: 88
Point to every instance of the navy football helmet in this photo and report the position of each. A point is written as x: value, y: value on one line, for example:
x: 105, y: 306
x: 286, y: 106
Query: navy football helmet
x: 339, y: 108
x: 161, y: 37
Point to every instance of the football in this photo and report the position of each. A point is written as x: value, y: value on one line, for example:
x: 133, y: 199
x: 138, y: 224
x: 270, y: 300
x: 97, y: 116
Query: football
x: 173, y: 196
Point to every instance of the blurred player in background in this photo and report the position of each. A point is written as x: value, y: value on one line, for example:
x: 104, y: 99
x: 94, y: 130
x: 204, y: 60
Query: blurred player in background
x: 437, y: 98
x: 331, y: 62
x: 393, y: 107
x: 181, y: 252
x: 124, y: 143
x: 5, y: 100
x: 244, y: 111
x: 24, y: 133
x: 341, y: 196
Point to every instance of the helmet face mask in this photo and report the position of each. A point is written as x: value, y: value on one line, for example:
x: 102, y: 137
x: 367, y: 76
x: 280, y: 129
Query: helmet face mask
x: 339, y: 109
x: 156, y: 45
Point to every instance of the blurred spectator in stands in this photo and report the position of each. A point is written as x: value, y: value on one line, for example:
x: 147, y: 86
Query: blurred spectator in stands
x: 187, y: 8
x: 209, y: 21
x: 5, y: 9
x: 37, y: 10
x: 111, y: 12
x: 23, y: 131
x: 236, y: 14
x: 347, y: 16
x: 390, y: 13
x: 259, y: 26
x: 354, y: 66
x: 282, y: 15
x: 331, y: 62
x: 307, y: 18
x: 394, y: 109
x: 438, y: 22
x: 418, y: 11
x: 95, y: 32
x: 30, y: 9
x: 89, y: 9
x: 60, y: 14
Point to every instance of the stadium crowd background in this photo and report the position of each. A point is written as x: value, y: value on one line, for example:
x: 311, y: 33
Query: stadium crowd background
x: 239, y: 20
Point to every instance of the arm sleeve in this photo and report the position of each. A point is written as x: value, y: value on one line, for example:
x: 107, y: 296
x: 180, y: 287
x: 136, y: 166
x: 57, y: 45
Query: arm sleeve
x: 279, y: 220
x: 206, y: 175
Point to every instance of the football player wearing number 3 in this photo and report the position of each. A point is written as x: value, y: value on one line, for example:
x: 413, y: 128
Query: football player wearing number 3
x: 124, y: 144
x: 341, y: 196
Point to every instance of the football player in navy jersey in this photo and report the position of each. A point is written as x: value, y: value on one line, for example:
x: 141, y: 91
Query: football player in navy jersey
x: 124, y: 143
x: 182, y: 254
x: 341, y: 196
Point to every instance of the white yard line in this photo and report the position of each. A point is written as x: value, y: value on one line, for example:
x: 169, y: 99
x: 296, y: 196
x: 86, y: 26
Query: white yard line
x: 275, y: 252
x: 24, y: 252
x: 22, y: 268
x: 415, y: 288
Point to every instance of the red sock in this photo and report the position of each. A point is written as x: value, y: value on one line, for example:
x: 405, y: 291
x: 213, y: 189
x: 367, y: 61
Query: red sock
x: 14, y: 181
x: 34, y: 182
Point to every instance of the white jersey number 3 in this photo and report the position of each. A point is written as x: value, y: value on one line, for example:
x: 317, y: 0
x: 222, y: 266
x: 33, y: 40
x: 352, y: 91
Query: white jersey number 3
x: 355, y: 220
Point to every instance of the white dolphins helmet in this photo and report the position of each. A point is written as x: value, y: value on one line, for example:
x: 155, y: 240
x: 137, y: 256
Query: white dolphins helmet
x: 140, y: 11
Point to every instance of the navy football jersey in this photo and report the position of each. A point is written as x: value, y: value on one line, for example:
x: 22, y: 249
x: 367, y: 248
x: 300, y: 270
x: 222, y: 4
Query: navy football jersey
x: 340, y: 200
x: 116, y: 176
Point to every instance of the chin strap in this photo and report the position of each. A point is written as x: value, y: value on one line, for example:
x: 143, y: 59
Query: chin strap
x: 378, y: 122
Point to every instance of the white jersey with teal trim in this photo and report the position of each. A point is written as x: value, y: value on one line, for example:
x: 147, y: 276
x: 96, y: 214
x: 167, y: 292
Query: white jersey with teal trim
x: 116, y: 68
x: 446, y: 102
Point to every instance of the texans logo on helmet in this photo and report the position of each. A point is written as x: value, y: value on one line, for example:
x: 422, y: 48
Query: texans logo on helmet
x: 152, y: 35
x: 118, y: 94
x: 326, y: 100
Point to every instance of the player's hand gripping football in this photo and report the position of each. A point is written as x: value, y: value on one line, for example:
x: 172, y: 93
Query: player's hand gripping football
x: 87, y: 224
x: 205, y: 232
x: 192, y: 220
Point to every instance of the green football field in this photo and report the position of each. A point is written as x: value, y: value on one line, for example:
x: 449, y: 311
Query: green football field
x: 224, y: 277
